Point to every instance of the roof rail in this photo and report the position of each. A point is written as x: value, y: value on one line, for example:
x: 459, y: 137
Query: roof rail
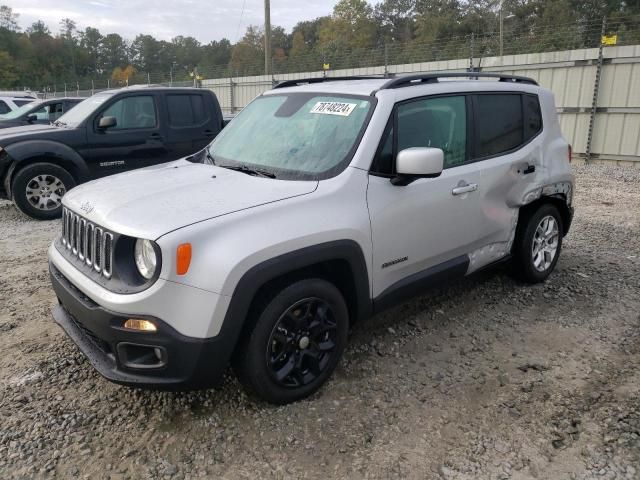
x: 302, y: 81
x: 409, y: 80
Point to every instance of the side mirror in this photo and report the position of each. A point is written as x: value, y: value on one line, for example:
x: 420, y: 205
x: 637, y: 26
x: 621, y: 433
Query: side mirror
x: 418, y: 162
x: 32, y: 118
x: 107, y: 122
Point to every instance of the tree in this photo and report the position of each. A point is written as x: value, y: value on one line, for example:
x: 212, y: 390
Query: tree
x: 186, y: 52
x: 351, y: 26
x: 114, y: 52
x: 145, y: 53
x: 248, y: 54
x: 298, y: 45
x: 8, y: 19
x: 215, y: 55
x: 38, y: 29
x: 310, y: 31
x: 91, y: 44
x: 396, y: 19
x: 8, y: 75
x: 122, y: 76
x: 68, y: 30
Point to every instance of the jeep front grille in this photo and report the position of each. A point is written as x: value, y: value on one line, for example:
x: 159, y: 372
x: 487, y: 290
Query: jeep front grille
x: 87, y: 241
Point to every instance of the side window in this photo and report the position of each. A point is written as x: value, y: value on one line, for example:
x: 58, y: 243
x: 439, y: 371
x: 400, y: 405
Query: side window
x: 4, y: 108
x: 20, y: 103
x: 186, y: 110
x: 133, y: 112
x: 499, y: 123
x: 55, y: 111
x: 383, y: 161
x: 42, y: 113
x: 439, y: 122
x: 532, y: 116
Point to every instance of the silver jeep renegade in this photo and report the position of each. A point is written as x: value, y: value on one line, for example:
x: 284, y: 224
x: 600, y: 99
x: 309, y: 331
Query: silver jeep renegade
x: 323, y: 202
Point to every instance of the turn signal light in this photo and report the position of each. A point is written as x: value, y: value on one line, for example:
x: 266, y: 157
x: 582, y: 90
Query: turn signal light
x: 140, y: 325
x: 183, y: 258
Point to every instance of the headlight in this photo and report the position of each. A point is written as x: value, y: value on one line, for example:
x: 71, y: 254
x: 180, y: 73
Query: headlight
x: 146, y: 258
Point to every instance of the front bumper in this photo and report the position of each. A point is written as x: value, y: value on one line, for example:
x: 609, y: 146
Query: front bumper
x: 182, y: 362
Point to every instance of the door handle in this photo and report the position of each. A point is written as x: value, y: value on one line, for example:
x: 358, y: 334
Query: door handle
x: 209, y: 133
x: 155, y: 136
x: 462, y: 189
x: 529, y: 169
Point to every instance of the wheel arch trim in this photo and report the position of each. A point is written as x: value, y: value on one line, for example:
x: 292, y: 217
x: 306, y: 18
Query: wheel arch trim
x: 259, y: 275
x: 24, y: 153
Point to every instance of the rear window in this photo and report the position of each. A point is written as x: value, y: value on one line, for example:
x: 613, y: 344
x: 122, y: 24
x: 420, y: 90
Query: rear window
x: 532, y: 116
x: 4, y: 108
x: 499, y: 123
x: 20, y: 103
x: 186, y: 110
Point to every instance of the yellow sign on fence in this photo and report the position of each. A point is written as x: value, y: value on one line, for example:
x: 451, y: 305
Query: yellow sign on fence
x: 609, y: 39
x: 326, y: 66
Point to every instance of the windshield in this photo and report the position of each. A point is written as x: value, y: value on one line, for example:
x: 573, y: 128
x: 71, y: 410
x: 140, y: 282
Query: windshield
x: 18, y: 112
x: 82, y: 110
x: 301, y: 136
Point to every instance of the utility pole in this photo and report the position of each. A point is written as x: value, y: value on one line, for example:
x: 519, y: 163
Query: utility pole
x: 267, y: 37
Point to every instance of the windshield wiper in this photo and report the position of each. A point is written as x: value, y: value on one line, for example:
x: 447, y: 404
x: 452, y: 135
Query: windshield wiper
x: 210, y: 157
x: 249, y: 170
x: 58, y: 123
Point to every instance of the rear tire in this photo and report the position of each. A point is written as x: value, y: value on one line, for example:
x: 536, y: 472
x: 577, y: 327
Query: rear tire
x: 297, y: 340
x: 538, y: 243
x: 38, y: 189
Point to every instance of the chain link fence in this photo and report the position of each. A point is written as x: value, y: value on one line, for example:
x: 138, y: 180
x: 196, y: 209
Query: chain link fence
x: 514, y: 40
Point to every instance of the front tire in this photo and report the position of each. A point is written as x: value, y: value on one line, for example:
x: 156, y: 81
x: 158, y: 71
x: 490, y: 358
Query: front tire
x: 38, y: 189
x: 299, y: 335
x: 538, y: 244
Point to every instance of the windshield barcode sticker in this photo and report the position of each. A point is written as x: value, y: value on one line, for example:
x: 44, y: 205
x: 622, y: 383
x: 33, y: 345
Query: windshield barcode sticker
x: 334, y: 108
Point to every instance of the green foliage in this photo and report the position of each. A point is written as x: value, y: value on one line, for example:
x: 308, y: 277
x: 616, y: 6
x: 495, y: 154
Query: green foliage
x: 358, y: 33
x: 7, y: 69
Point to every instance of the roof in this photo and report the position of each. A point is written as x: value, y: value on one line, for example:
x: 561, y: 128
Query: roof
x: 57, y: 99
x: 11, y: 94
x: 359, y: 86
x: 146, y: 88
x: 370, y: 85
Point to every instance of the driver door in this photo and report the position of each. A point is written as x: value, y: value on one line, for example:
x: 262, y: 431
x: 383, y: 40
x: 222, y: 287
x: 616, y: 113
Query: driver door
x: 430, y: 225
x: 137, y: 140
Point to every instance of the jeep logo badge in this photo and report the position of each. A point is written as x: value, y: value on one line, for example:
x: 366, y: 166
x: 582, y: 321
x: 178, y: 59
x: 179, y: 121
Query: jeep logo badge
x: 86, y: 207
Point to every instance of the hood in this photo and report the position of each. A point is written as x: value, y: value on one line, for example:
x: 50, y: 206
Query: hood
x: 16, y: 122
x: 150, y: 202
x: 25, y: 132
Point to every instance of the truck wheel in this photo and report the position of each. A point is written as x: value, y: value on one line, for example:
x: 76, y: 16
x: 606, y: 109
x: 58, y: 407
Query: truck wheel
x: 296, y: 343
x: 537, y: 244
x: 38, y: 189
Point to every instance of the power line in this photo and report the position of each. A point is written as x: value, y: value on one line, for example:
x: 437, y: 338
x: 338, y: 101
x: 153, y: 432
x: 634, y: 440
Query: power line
x: 244, y: 2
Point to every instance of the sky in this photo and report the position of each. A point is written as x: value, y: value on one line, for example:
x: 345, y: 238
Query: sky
x: 202, y: 19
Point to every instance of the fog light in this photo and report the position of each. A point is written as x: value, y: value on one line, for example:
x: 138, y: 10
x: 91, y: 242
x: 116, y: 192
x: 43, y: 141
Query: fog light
x: 139, y: 324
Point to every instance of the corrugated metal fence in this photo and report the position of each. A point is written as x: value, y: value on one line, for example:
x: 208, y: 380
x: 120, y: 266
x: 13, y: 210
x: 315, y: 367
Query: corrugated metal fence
x: 570, y: 74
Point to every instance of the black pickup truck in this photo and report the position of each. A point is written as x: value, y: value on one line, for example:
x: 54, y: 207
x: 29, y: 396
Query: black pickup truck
x: 110, y: 132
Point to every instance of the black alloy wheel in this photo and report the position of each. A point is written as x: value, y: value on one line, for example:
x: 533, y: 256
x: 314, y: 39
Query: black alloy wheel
x: 302, y: 342
x: 293, y: 341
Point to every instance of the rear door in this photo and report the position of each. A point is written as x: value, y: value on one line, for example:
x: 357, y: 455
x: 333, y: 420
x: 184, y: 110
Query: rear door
x: 138, y: 139
x: 190, y: 125
x: 507, y: 126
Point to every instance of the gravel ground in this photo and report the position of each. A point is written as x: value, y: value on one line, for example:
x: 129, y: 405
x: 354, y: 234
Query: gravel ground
x: 486, y: 379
